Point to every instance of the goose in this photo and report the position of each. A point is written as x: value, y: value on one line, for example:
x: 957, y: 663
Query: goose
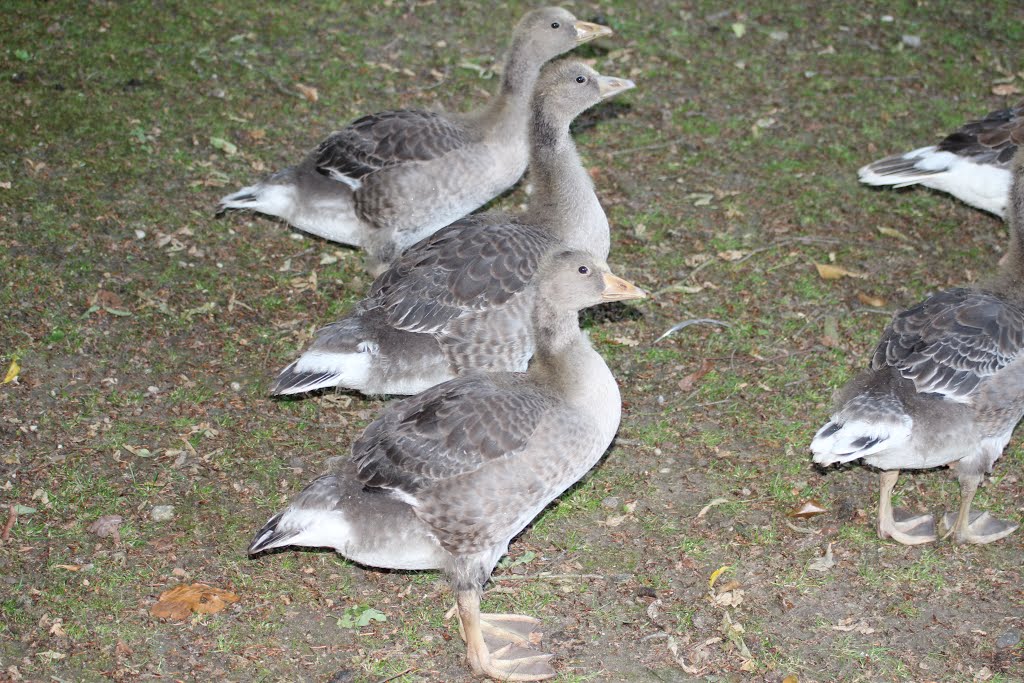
x: 460, y: 299
x: 945, y: 387
x: 445, y: 479
x: 389, y: 179
x: 972, y: 163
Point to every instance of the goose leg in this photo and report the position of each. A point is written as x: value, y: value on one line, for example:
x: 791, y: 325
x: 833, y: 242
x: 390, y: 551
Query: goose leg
x: 509, y: 663
x: 974, y: 527
x: 907, y: 530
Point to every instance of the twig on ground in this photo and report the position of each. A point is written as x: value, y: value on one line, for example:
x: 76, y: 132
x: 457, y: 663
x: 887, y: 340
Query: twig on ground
x: 12, y: 517
x: 398, y: 675
x: 542, y: 575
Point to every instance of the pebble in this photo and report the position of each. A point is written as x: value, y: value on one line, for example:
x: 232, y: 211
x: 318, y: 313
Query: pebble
x: 1008, y: 639
x: 779, y: 36
x: 235, y: 386
x: 611, y: 502
x: 912, y: 41
x: 162, y: 513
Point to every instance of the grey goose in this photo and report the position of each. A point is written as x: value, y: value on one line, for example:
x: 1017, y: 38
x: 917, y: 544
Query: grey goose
x: 945, y: 387
x: 461, y: 298
x: 445, y: 479
x: 389, y: 179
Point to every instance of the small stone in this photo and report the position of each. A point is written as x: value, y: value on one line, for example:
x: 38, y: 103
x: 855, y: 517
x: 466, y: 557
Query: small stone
x: 888, y: 19
x: 1008, y: 639
x: 912, y: 41
x: 779, y: 36
x: 611, y: 502
x: 235, y: 386
x: 178, y: 571
x: 162, y: 513
x: 140, y: 234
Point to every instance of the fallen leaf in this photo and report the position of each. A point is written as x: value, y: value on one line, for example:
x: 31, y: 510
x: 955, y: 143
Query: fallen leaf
x: 626, y: 341
x: 848, y: 624
x: 107, y: 525
x: 732, y: 254
x: 808, y: 508
x: 58, y: 628
x: 50, y: 654
x: 717, y: 573
x: 687, y: 383
x: 713, y: 503
x: 308, y: 91
x: 739, y: 30
x: 1005, y: 89
x: 827, y: 271
x: 790, y: 679
x: 179, y: 602
x: 893, y: 232
x: 868, y: 300
x: 823, y: 563
x: 223, y: 145
x: 69, y: 567
x: 12, y: 372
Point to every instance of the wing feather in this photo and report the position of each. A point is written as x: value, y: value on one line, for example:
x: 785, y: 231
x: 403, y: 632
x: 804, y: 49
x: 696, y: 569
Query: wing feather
x: 952, y: 341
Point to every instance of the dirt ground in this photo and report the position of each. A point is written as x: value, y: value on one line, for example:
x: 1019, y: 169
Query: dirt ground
x: 146, y: 334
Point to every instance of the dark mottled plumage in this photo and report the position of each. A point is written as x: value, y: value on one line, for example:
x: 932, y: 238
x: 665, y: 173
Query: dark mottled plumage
x: 388, y: 139
x: 389, y: 179
x: 972, y: 163
x: 470, y: 286
x: 945, y: 387
x: 952, y: 341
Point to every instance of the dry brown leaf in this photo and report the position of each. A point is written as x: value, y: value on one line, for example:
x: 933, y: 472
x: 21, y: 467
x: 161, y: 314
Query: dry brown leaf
x: 868, y: 300
x: 827, y: 271
x: 790, y: 679
x: 687, y: 383
x: 308, y: 91
x: 626, y: 341
x: 732, y: 254
x: 69, y: 567
x: 181, y: 601
x: 809, y: 508
x: 1005, y: 89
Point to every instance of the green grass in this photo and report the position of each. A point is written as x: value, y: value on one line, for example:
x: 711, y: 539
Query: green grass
x: 109, y: 111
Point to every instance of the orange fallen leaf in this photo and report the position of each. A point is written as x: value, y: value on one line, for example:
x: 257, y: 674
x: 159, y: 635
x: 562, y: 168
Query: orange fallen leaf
x: 868, y: 300
x: 827, y: 271
x: 69, y: 567
x: 308, y: 91
x: 808, y: 508
x: 687, y: 383
x: 179, y: 602
x: 1005, y: 89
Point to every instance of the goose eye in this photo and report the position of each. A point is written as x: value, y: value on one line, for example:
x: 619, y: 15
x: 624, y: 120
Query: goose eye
x: 555, y: 24
x: 581, y: 79
x: 584, y: 270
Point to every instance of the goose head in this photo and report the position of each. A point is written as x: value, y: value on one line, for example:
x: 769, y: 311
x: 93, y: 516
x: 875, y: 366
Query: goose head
x: 569, y: 87
x: 547, y: 32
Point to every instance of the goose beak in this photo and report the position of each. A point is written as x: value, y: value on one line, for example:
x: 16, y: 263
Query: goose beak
x: 587, y: 31
x: 608, y: 86
x: 617, y: 289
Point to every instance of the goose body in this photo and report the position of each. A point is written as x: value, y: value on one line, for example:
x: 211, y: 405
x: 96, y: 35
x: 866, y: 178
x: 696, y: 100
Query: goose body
x: 945, y: 386
x: 445, y: 479
x: 389, y: 179
x: 972, y: 163
x: 460, y: 300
